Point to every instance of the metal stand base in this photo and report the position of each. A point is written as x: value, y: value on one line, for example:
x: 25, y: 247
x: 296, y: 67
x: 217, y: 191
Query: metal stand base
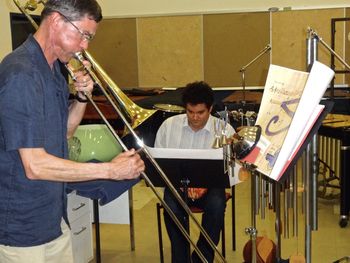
x: 253, y: 233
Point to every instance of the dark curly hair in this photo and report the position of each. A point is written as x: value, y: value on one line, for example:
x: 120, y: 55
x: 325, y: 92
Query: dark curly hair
x: 198, y: 92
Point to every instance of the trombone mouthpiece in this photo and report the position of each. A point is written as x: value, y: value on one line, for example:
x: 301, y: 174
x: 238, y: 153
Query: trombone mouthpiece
x: 79, y: 56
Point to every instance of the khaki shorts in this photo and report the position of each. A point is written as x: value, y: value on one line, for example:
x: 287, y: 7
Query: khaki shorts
x: 56, y: 251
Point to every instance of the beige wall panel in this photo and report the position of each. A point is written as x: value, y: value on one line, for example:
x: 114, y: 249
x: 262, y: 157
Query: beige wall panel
x: 341, y: 39
x: 161, y: 7
x: 347, y: 45
x: 115, y: 49
x: 231, y: 41
x: 289, y: 33
x: 170, y: 50
x: 5, y: 40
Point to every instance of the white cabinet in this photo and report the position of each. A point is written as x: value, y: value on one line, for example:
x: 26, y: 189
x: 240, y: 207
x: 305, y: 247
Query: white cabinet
x: 79, y: 215
x: 116, y: 212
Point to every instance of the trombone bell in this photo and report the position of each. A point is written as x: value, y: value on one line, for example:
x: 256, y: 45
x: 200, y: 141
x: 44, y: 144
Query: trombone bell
x: 135, y: 114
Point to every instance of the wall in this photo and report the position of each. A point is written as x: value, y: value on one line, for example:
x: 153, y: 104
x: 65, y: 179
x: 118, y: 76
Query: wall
x: 115, y: 47
x: 230, y: 42
x: 157, y: 51
x: 289, y: 42
x: 175, y: 50
x: 137, y: 8
x: 170, y: 50
x: 7, y: 6
x: 5, y: 40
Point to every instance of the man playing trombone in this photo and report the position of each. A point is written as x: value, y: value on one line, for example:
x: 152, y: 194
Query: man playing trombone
x: 36, y: 119
x: 194, y: 130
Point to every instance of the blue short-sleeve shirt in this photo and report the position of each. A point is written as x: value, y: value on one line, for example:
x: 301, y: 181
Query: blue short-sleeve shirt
x: 33, y: 114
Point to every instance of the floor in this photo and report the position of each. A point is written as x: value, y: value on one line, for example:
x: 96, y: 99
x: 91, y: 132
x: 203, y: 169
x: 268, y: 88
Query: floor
x: 329, y: 242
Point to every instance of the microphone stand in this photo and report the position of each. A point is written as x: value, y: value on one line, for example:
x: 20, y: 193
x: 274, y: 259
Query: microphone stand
x: 243, y: 69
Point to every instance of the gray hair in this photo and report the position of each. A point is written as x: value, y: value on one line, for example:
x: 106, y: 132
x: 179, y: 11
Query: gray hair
x: 74, y: 10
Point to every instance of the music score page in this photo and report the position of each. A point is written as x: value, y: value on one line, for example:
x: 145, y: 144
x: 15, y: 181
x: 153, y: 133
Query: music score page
x: 289, y: 108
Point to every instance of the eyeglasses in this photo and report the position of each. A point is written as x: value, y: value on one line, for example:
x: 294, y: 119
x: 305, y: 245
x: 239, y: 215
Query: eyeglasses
x: 83, y: 35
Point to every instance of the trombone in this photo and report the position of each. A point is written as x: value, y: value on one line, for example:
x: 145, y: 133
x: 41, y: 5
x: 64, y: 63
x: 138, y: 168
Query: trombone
x: 134, y: 114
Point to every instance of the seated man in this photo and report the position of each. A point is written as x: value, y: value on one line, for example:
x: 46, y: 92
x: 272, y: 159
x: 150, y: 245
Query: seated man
x: 193, y: 130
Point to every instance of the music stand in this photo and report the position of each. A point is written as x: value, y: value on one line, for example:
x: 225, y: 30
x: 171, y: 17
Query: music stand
x: 252, y: 231
x: 199, y: 173
x: 184, y: 173
x: 310, y: 184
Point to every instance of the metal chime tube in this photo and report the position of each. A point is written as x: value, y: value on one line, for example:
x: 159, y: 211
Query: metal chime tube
x: 253, y: 199
x: 311, y: 164
x: 257, y: 193
x: 313, y: 186
x: 287, y: 205
x: 329, y: 146
x: 312, y: 55
x: 295, y: 202
x: 311, y: 51
x: 304, y: 174
x: 332, y: 161
x: 307, y: 206
x: 337, y: 157
x: 263, y: 198
x: 285, y: 212
x: 278, y: 221
x: 271, y: 200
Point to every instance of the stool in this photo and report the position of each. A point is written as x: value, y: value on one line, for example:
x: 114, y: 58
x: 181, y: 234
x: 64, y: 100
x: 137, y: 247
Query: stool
x: 199, y: 210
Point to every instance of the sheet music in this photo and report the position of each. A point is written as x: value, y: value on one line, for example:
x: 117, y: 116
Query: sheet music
x: 288, y: 105
x: 308, y: 110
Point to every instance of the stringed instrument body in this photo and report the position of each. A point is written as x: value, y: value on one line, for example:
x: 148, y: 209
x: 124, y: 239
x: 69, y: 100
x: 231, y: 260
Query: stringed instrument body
x: 265, y: 250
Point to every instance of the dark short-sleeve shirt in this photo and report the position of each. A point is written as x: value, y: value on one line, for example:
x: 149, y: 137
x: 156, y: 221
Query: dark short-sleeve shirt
x: 33, y: 114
